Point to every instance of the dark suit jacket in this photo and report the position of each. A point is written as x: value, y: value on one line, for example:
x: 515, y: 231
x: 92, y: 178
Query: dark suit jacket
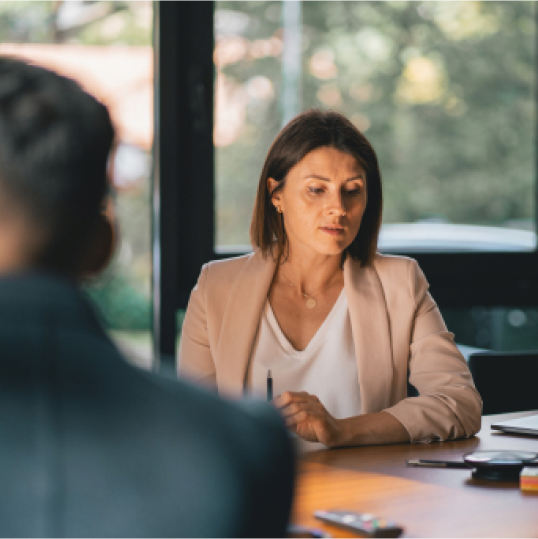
x: 92, y: 446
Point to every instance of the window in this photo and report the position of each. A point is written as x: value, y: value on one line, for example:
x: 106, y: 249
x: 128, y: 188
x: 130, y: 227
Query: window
x: 107, y: 48
x: 444, y: 91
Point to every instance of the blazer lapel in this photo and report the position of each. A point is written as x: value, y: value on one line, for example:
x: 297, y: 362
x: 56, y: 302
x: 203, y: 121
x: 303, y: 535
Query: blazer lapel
x: 241, y: 320
x: 371, y: 334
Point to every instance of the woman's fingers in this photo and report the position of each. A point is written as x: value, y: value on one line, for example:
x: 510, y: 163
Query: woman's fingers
x: 303, y: 411
x: 289, y: 397
x: 306, y: 416
x: 301, y: 414
x: 300, y: 402
x: 296, y: 407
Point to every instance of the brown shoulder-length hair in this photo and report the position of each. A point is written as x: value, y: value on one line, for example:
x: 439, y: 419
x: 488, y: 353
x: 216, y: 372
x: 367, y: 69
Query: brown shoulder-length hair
x: 306, y: 132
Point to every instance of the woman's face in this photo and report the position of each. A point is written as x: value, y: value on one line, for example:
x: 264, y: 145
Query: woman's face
x: 322, y: 201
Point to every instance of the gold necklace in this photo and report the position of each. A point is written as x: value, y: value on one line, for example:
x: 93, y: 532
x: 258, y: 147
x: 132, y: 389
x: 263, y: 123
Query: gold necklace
x: 310, y: 300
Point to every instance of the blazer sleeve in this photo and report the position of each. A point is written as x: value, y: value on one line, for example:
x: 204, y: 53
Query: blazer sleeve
x: 448, y: 405
x: 195, y: 360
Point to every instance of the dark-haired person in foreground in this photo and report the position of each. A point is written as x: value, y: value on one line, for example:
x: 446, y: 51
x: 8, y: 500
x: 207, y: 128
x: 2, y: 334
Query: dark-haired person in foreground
x: 341, y: 328
x: 91, y: 446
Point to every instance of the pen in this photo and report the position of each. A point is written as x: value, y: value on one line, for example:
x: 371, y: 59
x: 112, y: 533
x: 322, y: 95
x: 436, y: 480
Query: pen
x: 438, y: 464
x: 269, y: 386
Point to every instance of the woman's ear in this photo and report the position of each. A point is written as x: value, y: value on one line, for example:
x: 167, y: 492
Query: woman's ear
x: 272, y: 184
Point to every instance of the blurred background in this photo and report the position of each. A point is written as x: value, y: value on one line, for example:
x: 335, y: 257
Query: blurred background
x: 444, y: 91
x: 107, y: 47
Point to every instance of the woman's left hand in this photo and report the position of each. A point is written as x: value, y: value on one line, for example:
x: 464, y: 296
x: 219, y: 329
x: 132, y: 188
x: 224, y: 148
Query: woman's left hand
x: 307, y: 417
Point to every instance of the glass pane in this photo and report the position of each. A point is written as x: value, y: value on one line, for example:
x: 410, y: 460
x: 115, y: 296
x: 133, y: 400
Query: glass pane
x: 107, y: 48
x: 501, y: 329
x: 443, y: 90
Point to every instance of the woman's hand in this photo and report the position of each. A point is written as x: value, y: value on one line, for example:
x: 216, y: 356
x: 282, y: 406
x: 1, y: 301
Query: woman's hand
x: 307, y: 417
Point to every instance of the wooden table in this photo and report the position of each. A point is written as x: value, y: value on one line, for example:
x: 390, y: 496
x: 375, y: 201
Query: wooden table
x: 427, y: 502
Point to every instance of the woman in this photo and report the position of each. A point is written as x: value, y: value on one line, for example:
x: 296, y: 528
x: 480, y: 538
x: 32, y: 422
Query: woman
x: 341, y: 327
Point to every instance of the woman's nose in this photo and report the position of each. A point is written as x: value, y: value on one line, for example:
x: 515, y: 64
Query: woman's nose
x: 336, y: 206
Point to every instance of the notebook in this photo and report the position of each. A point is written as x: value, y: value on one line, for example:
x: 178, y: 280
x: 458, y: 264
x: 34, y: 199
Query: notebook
x: 522, y: 425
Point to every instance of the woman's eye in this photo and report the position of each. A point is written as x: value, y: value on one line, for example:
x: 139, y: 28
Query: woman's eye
x: 315, y: 190
x: 352, y: 192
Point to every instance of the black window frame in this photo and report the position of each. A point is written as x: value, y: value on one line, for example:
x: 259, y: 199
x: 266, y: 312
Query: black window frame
x: 184, y: 190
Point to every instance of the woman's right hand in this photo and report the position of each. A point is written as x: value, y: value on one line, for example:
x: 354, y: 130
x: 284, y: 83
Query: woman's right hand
x: 307, y: 417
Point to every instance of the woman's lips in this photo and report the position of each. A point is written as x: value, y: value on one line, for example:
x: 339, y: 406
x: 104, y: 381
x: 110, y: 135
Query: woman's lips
x: 332, y: 231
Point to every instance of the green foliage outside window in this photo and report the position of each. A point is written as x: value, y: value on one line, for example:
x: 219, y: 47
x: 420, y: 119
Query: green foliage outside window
x: 443, y: 90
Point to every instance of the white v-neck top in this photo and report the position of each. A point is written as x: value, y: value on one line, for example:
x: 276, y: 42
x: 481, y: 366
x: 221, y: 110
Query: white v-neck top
x: 327, y: 367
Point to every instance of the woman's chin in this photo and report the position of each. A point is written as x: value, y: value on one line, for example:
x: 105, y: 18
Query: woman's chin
x: 330, y: 250
x: 325, y: 246
x: 333, y: 246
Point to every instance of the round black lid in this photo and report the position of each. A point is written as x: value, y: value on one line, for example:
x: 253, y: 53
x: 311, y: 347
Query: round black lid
x: 500, y: 465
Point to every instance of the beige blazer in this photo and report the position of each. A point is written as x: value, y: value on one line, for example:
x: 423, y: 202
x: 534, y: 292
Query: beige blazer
x: 397, y: 329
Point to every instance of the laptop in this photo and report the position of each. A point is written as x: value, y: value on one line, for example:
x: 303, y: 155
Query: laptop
x: 522, y: 425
